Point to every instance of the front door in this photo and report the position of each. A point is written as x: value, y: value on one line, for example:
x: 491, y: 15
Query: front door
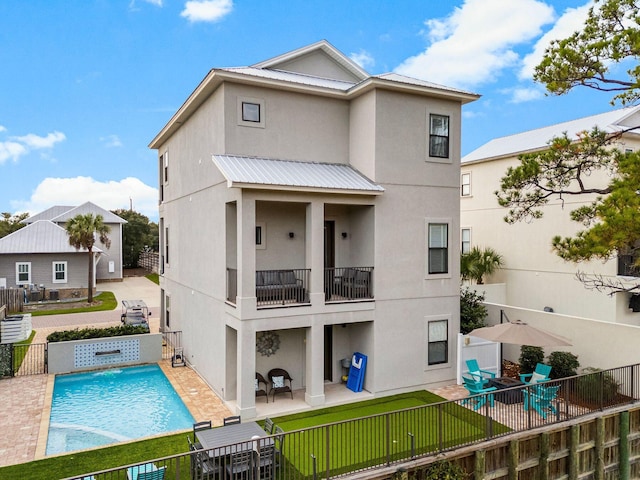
x: 328, y: 353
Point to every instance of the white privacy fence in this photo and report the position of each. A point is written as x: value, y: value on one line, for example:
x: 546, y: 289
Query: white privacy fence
x: 485, y: 352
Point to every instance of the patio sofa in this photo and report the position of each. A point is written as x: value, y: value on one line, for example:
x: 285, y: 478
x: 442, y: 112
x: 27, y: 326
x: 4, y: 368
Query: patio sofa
x: 279, y: 285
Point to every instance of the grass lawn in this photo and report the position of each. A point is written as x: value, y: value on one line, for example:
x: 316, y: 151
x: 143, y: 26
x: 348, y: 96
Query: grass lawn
x: 107, y: 302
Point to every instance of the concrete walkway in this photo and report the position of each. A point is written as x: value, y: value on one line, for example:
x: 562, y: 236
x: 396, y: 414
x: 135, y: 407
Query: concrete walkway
x: 27, y: 399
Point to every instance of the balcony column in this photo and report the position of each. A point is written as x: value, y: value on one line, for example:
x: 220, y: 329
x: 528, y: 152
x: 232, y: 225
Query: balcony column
x: 246, y: 247
x: 315, y: 251
x: 314, y: 393
x: 246, y: 372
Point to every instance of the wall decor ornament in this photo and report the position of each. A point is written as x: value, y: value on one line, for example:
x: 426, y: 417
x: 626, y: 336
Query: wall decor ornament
x: 267, y: 343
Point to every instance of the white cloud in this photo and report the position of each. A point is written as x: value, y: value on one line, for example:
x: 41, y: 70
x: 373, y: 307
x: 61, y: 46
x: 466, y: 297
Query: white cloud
x: 363, y: 59
x: 111, y: 141
x: 206, y: 10
x: 521, y: 95
x: 76, y: 191
x: 157, y: 3
x: 472, y: 45
x: 16, y: 147
x: 571, y: 20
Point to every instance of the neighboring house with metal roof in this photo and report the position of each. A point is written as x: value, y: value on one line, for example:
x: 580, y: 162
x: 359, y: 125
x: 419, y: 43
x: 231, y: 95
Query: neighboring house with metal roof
x: 39, y: 254
x: 309, y: 210
x: 533, y: 276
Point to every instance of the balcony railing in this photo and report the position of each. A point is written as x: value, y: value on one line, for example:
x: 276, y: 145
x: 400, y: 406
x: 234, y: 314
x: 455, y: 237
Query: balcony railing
x: 348, y: 283
x: 282, y: 287
x: 385, y: 439
x: 627, y: 267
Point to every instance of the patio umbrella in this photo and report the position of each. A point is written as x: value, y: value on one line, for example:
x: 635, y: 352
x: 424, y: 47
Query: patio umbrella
x: 520, y: 333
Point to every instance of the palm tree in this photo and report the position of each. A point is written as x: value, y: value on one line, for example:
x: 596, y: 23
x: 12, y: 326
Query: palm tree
x: 478, y: 263
x: 82, y: 231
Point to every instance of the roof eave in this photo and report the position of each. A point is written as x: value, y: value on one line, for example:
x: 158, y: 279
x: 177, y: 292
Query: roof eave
x: 373, y: 83
x: 292, y: 188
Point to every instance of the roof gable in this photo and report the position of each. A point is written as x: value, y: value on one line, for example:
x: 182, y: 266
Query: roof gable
x: 41, y: 236
x: 320, y: 59
x: 62, y: 214
x: 48, y: 214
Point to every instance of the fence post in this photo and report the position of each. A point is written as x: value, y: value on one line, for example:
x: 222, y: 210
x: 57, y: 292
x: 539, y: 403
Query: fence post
x: 388, y: 435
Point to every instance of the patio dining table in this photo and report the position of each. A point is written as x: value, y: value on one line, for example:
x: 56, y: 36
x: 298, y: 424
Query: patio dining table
x: 223, y: 441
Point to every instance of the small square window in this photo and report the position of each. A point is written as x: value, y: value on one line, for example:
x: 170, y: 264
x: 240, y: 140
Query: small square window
x: 465, y: 235
x: 261, y: 236
x: 251, y: 112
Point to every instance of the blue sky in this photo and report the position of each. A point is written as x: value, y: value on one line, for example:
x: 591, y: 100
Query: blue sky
x: 86, y: 85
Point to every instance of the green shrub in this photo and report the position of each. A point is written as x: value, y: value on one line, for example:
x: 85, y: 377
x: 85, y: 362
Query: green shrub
x: 472, y: 311
x: 87, y: 333
x: 597, y: 386
x: 563, y: 364
x: 444, y: 470
x: 530, y: 357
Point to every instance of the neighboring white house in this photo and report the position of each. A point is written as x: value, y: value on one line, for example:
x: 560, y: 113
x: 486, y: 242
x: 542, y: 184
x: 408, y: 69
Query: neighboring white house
x: 309, y: 210
x: 39, y: 255
x: 533, y: 275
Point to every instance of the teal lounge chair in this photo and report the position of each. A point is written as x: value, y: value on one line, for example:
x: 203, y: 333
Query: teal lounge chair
x: 541, y: 399
x: 478, y: 395
x: 540, y: 374
x: 476, y: 372
x: 147, y: 471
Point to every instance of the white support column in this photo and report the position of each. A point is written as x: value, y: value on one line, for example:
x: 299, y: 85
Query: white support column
x: 246, y: 221
x: 246, y: 372
x: 314, y: 394
x: 315, y: 251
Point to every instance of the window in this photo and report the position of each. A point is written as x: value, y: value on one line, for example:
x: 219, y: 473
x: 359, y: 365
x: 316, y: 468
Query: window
x: 465, y: 236
x: 167, y: 311
x: 438, y: 347
x: 439, y: 136
x: 261, y: 236
x: 23, y: 273
x: 59, y: 272
x: 166, y: 166
x: 438, y: 248
x: 166, y: 245
x: 251, y: 112
x: 465, y: 184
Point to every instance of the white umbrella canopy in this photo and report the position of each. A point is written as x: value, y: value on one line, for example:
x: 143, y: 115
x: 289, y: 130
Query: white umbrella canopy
x: 520, y: 333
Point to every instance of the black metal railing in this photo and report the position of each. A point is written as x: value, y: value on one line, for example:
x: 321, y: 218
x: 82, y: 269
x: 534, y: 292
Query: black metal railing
x: 171, y: 341
x: 627, y: 266
x: 17, y: 359
x: 348, y: 283
x: 282, y: 287
x: 341, y: 448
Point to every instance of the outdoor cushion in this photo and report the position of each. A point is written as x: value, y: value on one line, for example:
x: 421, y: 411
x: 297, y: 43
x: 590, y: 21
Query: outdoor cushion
x: 288, y: 277
x: 278, y: 382
x: 271, y: 278
x: 536, y: 377
x: 259, y: 279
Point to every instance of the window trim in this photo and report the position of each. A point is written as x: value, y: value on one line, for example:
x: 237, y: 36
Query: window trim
x: 261, y: 112
x: 467, y: 184
x: 462, y: 242
x: 428, y: 223
x: 18, y: 265
x: 447, y: 156
x: 65, y: 271
x: 429, y: 320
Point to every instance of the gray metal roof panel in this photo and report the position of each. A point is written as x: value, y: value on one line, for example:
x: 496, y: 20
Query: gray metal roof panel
x: 537, y: 139
x: 395, y: 77
x: 48, y: 214
x: 88, y: 207
x: 293, y: 174
x: 291, y: 77
x: 42, y: 236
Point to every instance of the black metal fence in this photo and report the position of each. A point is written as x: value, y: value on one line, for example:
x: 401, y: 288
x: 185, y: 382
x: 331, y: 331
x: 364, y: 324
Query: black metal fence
x: 348, y: 283
x: 17, y: 359
x: 171, y: 343
x: 368, y: 443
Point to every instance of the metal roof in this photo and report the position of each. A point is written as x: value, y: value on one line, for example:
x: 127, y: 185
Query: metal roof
x: 292, y: 77
x: 42, y: 236
x: 539, y: 138
x: 61, y: 214
x: 254, y: 172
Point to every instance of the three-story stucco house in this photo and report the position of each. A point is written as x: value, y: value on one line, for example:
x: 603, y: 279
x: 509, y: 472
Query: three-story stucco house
x: 309, y: 210
x: 533, y: 276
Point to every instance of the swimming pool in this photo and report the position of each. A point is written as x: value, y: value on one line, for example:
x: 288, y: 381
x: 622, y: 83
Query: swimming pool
x: 98, y: 408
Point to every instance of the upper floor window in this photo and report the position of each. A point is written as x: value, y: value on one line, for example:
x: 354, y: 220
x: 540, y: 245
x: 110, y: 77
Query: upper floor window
x: 439, y: 136
x: 23, y: 273
x: 438, y: 248
x: 59, y: 272
x: 251, y: 112
x: 465, y: 184
x: 165, y: 168
x: 465, y: 236
x: 166, y: 245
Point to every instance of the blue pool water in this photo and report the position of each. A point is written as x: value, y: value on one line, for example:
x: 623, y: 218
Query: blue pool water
x: 108, y: 406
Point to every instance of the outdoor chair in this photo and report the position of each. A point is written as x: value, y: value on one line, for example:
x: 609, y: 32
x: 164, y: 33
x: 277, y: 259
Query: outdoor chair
x: 201, y: 465
x: 242, y: 464
x: 279, y: 436
x: 478, y: 395
x: 540, y: 374
x: 541, y: 399
x: 204, y: 425
x: 267, y: 461
x: 234, y: 420
x: 268, y: 425
x: 279, y: 378
x: 147, y: 471
x: 261, y: 392
x: 476, y: 372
